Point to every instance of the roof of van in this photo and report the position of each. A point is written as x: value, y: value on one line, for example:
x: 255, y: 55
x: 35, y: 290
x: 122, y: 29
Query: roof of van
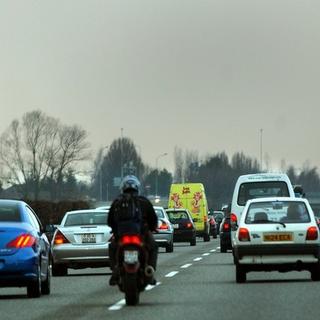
x: 263, y: 176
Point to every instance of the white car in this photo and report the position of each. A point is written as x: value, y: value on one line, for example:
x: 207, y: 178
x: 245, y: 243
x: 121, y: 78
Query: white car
x: 277, y: 234
x: 81, y: 241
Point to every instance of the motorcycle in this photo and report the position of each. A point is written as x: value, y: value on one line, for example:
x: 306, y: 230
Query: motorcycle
x: 134, y: 272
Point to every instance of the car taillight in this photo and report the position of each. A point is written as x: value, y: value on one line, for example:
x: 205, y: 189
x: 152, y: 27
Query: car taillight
x: 205, y: 218
x: 189, y: 225
x: 163, y: 226
x: 226, y: 226
x: 23, y: 241
x: 59, y: 238
x: 131, y: 239
x: 233, y: 218
x: 312, y: 233
x: 244, y: 234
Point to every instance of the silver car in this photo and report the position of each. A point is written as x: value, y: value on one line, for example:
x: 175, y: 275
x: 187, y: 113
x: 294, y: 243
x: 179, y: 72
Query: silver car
x: 81, y: 241
x: 164, y: 234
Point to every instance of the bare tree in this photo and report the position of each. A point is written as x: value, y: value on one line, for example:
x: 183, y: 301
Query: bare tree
x: 178, y: 165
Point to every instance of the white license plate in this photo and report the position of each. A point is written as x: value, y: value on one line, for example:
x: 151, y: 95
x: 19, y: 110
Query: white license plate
x: 130, y: 256
x: 88, y: 238
x: 175, y: 226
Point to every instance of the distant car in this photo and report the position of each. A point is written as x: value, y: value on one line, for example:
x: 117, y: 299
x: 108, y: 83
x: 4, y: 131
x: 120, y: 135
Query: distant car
x: 104, y: 208
x: 277, y: 234
x: 183, y: 226
x: 24, y: 249
x: 81, y: 241
x: 218, y: 216
x: 225, y: 234
x: 213, y: 226
x: 164, y: 234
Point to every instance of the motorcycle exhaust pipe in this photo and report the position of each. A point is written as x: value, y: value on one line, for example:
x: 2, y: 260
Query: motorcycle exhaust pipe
x: 149, y: 271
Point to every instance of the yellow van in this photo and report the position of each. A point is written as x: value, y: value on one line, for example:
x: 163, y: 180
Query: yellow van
x: 192, y: 196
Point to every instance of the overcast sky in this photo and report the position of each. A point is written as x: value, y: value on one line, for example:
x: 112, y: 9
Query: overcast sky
x: 202, y: 75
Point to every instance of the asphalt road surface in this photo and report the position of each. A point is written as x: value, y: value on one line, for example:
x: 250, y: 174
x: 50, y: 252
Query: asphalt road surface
x: 193, y: 283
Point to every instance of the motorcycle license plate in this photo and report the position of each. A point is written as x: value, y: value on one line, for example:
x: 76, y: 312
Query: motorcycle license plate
x: 130, y: 256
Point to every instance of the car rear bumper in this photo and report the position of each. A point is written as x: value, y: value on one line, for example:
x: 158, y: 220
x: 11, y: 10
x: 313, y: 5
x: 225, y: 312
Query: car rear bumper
x: 183, y: 235
x: 277, y: 254
x: 163, y: 239
x: 81, y: 256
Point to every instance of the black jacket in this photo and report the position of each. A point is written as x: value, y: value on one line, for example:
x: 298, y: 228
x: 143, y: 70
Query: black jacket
x: 150, y: 219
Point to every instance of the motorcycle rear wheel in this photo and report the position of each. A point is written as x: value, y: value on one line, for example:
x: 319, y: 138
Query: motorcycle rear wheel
x: 131, y: 290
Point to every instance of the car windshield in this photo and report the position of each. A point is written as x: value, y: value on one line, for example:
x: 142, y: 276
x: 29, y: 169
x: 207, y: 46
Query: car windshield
x: 277, y: 212
x: 9, y: 213
x: 253, y: 190
x: 159, y: 213
x: 86, y: 218
x: 175, y: 216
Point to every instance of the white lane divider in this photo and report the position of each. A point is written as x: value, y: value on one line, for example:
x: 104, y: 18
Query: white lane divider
x: 218, y: 248
x: 206, y: 254
x: 150, y: 287
x: 213, y: 250
x: 171, y: 274
x: 185, y: 266
x: 117, y: 306
x: 197, y: 259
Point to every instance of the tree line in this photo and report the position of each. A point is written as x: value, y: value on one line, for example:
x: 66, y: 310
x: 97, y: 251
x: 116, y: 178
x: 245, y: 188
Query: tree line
x: 40, y: 157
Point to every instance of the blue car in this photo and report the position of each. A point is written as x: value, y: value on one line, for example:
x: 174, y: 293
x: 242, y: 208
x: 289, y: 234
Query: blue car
x: 24, y: 249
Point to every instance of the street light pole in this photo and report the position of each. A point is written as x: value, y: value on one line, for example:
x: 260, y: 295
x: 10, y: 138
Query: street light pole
x: 156, y: 180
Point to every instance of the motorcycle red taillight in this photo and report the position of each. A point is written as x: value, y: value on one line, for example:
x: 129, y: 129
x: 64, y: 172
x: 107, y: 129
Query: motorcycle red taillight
x: 23, y: 241
x: 59, y: 238
x: 226, y: 226
x: 131, y: 239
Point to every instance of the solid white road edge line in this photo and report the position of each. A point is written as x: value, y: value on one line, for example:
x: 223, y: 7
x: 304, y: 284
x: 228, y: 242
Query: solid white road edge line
x: 197, y: 259
x: 171, y: 274
x: 185, y: 266
x: 117, y: 306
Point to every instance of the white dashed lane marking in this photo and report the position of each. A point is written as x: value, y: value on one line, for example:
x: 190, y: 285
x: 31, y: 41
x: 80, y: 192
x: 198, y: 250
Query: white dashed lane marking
x: 117, y: 306
x: 206, y: 254
x: 197, y: 259
x: 213, y: 250
x: 171, y: 274
x: 150, y: 287
x: 185, y: 266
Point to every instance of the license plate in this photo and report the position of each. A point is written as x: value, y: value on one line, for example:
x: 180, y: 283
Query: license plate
x: 130, y: 256
x: 278, y: 237
x: 88, y: 238
x: 175, y: 226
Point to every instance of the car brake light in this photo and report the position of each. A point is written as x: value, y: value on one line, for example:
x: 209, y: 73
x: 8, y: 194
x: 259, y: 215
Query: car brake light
x: 23, y: 241
x: 244, y: 234
x: 59, y: 238
x: 312, y: 233
x: 189, y: 225
x: 131, y: 239
x: 233, y: 218
x: 163, y: 226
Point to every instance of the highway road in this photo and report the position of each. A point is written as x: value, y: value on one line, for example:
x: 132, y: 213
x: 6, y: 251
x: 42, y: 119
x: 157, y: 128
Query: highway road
x: 193, y: 283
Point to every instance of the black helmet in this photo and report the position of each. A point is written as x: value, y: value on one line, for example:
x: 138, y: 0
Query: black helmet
x: 130, y: 183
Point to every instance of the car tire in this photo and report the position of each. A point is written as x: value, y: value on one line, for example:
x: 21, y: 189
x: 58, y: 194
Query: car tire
x: 206, y: 237
x: 169, y: 247
x: 193, y: 242
x: 241, y: 274
x: 46, y: 284
x: 315, y: 273
x: 34, y: 288
x: 59, y: 270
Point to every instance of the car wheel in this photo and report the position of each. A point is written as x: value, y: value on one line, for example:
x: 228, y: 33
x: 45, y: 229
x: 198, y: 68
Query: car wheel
x: 59, y: 270
x: 315, y: 272
x: 169, y: 247
x: 34, y: 288
x: 206, y: 237
x: 46, y: 284
x: 241, y: 274
x: 193, y: 242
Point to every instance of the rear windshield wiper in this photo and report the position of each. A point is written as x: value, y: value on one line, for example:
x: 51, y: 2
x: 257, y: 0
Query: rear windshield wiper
x: 270, y: 221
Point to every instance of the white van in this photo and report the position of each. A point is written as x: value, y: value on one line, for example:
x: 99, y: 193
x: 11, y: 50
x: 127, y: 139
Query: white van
x: 258, y: 185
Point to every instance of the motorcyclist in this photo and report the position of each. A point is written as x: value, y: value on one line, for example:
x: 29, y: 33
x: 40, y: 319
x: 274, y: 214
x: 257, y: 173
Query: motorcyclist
x: 131, y: 185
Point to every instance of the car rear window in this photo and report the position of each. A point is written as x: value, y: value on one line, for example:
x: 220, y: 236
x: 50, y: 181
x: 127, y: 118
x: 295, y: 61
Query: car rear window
x: 253, y: 190
x: 178, y: 216
x: 159, y: 213
x: 86, y: 218
x: 277, y: 211
x: 9, y: 213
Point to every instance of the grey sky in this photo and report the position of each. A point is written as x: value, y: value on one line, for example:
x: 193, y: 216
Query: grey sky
x: 204, y: 75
